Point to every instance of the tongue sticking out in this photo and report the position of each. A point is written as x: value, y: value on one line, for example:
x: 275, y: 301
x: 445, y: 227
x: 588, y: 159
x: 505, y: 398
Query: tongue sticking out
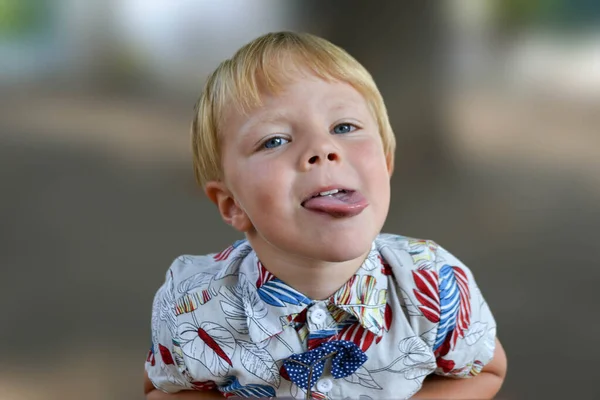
x: 341, y: 204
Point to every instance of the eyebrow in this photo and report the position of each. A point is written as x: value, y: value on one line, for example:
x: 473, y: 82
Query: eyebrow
x: 343, y: 104
x: 273, y: 117
x: 266, y: 118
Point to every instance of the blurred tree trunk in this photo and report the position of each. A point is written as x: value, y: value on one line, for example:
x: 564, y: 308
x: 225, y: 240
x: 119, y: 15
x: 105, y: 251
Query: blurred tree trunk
x: 399, y: 42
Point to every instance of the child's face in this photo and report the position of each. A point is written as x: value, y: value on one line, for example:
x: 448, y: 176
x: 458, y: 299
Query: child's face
x: 312, y: 137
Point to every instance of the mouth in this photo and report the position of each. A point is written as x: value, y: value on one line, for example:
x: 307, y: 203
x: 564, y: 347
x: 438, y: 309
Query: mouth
x: 335, y: 201
x: 327, y: 191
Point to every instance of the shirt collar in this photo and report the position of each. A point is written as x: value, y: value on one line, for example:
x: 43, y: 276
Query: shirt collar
x: 271, y: 304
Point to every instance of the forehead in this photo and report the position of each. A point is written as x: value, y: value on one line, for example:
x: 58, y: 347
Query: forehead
x: 311, y: 90
x: 299, y: 95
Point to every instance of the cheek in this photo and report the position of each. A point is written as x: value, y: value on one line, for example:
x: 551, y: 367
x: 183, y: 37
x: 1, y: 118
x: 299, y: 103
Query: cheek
x: 370, y: 157
x: 259, y: 186
x: 374, y: 172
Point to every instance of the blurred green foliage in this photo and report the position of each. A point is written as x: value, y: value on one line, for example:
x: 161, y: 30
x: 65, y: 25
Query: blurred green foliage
x: 24, y: 18
x: 558, y: 14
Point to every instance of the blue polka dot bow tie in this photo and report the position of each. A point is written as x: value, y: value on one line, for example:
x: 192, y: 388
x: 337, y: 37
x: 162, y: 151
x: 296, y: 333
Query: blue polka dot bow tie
x: 346, y: 358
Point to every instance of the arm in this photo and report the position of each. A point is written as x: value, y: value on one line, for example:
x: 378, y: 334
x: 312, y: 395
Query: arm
x: 154, y: 394
x: 483, y: 386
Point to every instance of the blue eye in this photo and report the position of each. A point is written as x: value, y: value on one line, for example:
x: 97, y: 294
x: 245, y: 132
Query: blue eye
x: 274, y: 142
x: 343, y: 128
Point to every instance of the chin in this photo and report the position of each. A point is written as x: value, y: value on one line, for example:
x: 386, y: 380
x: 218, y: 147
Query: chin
x: 342, y: 249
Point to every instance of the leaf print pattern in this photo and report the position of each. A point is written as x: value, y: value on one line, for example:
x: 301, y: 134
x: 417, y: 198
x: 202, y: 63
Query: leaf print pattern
x: 339, y: 315
x: 236, y: 318
x: 282, y: 371
x: 259, y: 362
x: 199, y: 280
x: 372, y: 262
x: 360, y: 298
x: 464, y: 313
x: 427, y: 294
x: 185, y: 259
x: 229, y: 317
x: 363, y: 377
x: 475, y: 332
x: 298, y: 322
x: 459, y: 372
x: 489, y: 340
x: 150, y: 358
x: 386, y: 269
x: 162, y: 308
x: 471, y: 369
x: 242, y: 306
x: 415, y: 351
x: 225, y: 253
x: 295, y: 391
x: 232, y: 387
x: 358, y: 335
x: 165, y: 354
x: 238, y: 301
x: 233, y: 267
x: 190, y: 302
x: 418, y: 371
x: 210, y: 344
x: 303, y: 333
x: 387, y: 317
x: 396, y: 242
x: 245, y: 312
x: 486, y: 345
x: 422, y: 252
x: 295, y: 320
x: 396, y: 255
x: 206, y: 385
x: 175, y: 378
x: 455, y: 305
x: 275, y: 292
x: 264, y: 275
x: 178, y: 356
x: 445, y: 365
x: 429, y: 337
x: 416, y: 361
x: 407, y: 304
x: 195, y: 291
x: 317, y: 338
x: 476, y: 368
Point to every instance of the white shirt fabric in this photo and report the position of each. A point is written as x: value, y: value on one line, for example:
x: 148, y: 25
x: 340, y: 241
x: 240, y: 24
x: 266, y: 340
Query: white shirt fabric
x: 223, y: 321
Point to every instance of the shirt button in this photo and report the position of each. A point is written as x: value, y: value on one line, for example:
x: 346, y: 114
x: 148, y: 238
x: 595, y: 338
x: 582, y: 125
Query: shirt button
x: 324, y: 385
x: 317, y: 316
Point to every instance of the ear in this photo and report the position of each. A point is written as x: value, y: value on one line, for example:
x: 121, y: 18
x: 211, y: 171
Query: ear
x: 389, y: 160
x: 230, y: 210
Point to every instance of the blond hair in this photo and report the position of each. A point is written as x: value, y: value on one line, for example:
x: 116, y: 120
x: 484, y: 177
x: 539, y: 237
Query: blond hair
x: 238, y: 81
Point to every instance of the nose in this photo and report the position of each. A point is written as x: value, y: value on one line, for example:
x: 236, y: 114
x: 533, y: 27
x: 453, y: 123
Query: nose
x: 321, y: 151
x: 330, y: 157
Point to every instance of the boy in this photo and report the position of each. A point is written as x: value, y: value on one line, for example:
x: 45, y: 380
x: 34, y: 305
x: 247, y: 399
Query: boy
x: 292, y: 143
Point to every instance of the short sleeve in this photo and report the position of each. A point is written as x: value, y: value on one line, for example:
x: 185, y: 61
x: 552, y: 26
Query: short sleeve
x: 162, y: 361
x: 466, y: 333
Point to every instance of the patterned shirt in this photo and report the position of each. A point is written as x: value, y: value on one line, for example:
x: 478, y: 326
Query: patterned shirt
x: 223, y: 321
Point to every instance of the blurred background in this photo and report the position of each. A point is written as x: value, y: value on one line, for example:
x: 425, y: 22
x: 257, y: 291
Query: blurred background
x: 495, y: 104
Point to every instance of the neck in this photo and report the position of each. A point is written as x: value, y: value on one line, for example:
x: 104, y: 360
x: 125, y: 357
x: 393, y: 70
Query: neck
x: 316, y: 279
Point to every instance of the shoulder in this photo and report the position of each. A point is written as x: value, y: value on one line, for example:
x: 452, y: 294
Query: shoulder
x: 407, y: 252
x: 435, y: 289
x: 188, y: 272
x: 416, y: 262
